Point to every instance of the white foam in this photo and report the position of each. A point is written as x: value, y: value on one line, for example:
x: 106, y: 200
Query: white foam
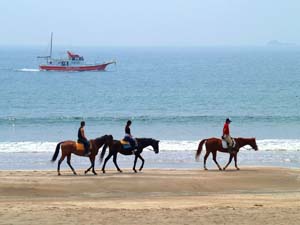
x: 279, y: 144
x: 28, y: 70
x: 164, y: 145
x: 27, y: 146
x: 263, y: 145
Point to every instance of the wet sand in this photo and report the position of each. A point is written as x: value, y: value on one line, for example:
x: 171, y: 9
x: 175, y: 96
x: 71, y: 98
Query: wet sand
x: 253, y: 195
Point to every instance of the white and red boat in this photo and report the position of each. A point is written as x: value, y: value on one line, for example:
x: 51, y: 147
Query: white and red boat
x: 74, y: 62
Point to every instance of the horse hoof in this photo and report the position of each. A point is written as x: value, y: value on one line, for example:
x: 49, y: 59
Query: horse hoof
x: 103, y: 171
x: 220, y: 169
x: 237, y: 168
x: 205, y: 169
x: 224, y: 168
x: 135, y: 171
x: 140, y: 169
x: 85, y: 172
x: 58, y: 174
x: 75, y: 174
x: 120, y: 171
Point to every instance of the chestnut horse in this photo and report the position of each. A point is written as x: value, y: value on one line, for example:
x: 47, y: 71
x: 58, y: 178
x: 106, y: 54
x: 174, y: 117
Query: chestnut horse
x: 117, y: 147
x: 69, y: 147
x: 215, y: 144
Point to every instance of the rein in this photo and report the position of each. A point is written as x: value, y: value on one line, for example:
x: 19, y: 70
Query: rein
x: 149, y: 149
x: 247, y: 148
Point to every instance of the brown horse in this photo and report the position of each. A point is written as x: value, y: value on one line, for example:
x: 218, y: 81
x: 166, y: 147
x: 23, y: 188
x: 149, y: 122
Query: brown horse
x: 215, y: 144
x: 69, y: 147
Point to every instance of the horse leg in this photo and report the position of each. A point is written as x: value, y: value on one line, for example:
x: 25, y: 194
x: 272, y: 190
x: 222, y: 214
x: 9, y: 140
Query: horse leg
x: 215, y: 160
x: 85, y: 172
x: 93, y: 165
x: 69, y: 163
x: 59, y: 162
x: 143, y: 161
x: 229, y: 161
x: 105, y: 161
x: 235, y: 161
x: 205, y: 158
x: 135, y: 159
x: 115, y: 162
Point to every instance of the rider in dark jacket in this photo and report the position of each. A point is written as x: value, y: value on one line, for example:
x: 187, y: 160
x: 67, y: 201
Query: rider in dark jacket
x: 128, y: 137
x: 82, y: 139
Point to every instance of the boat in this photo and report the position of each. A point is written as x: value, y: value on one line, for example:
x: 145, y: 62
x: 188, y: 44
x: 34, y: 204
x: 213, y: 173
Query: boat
x: 73, y: 62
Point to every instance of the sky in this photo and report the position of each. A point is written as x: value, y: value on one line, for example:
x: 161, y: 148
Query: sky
x: 149, y: 22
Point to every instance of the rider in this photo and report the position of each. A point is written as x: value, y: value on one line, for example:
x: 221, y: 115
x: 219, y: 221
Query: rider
x: 226, y: 135
x: 128, y: 137
x: 82, y: 139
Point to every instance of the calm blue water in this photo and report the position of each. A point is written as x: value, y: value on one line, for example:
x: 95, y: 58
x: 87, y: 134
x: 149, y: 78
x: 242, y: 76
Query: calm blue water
x: 171, y: 94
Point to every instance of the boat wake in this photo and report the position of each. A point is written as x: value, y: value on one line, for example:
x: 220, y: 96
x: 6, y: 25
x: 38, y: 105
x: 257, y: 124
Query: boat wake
x: 27, y: 70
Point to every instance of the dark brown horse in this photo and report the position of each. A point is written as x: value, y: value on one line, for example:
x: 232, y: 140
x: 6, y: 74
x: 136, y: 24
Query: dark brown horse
x: 215, y: 144
x: 69, y: 147
x: 117, y: 147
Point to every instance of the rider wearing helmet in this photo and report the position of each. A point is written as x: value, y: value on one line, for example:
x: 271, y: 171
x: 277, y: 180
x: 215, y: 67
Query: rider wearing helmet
x: 226, y: 135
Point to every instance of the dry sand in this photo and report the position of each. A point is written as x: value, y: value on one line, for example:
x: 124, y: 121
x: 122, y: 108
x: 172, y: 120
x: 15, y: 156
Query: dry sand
x: 250, y: 196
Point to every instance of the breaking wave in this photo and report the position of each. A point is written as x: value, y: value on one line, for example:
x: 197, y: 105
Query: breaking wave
x: 165, y: 145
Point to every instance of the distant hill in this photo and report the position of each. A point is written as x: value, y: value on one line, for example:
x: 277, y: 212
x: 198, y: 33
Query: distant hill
x: 279, y: 43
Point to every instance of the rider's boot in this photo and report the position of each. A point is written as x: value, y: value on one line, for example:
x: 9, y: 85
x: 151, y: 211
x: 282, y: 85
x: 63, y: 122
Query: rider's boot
x: 87, y: 152
x: 134, y: 150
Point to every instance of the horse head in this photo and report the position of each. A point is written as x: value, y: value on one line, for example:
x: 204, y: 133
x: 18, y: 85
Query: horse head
x: 253, y: 144
x: 108, y: 139
x: 247, y: 141
x: 104, y: 140
x: 155, y: 145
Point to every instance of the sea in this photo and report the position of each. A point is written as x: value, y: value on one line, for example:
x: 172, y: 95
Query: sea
x: 178, y: 95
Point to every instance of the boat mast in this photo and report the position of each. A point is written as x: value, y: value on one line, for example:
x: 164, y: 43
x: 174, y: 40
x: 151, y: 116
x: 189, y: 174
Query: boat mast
x: 48, y: 57
x: 51, y: 45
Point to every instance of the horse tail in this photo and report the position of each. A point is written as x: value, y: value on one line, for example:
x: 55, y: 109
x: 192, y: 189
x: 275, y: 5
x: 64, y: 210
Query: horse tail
x: 200, y: 148
x: 103, y: 153
x: 54, y: 157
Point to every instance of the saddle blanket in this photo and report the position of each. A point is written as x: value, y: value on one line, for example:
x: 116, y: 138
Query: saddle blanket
x: 225, y: 145
x: 80, y: 146
x: 125, y: 144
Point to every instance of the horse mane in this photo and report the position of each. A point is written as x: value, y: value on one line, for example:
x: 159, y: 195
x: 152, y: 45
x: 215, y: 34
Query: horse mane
x: 245, y: 138
x: 99, y: 139
x: 146, y: 139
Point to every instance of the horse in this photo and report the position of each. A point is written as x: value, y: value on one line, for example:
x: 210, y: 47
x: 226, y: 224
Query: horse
x: 69, y: 147
x: 117, y: 147
x: 215, y: 144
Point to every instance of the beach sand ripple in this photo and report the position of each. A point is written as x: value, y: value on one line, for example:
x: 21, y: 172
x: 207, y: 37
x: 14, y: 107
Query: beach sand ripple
x: 250, y: 196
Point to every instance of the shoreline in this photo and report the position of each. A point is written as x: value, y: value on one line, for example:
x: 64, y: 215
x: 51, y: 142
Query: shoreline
x: 253, y: 195
x: 164, y: 159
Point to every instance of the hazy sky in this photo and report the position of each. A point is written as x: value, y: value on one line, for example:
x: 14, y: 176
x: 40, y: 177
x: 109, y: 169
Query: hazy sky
x: 148, y: 23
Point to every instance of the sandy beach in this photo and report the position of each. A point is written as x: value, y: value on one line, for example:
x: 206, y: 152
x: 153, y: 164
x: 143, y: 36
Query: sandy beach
x: 250, y: 196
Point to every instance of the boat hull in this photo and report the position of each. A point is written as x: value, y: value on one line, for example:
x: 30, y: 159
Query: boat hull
x: 98, y: 67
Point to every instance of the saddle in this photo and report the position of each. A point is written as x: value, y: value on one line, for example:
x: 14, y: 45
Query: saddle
x: 125, y: 144
x: 80, y: 146
x: 225, y: 144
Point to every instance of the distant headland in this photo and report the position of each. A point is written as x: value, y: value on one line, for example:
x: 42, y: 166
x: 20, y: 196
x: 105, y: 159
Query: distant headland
x: 280, y: 44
